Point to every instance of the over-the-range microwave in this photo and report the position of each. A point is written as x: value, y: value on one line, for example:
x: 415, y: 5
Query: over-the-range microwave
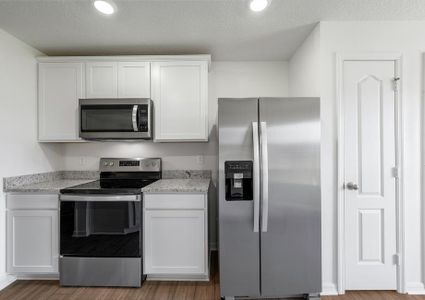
x: 111, y: 119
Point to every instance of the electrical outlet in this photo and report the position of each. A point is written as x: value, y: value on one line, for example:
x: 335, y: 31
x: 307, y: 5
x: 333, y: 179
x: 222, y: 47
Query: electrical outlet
x: 200, y: 160
x: 83, y: 161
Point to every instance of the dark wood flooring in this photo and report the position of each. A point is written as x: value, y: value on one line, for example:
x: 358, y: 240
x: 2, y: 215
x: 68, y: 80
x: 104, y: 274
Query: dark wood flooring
x: 156, y: 290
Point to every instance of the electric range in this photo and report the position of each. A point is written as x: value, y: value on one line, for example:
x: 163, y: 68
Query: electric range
x: 101, y: 230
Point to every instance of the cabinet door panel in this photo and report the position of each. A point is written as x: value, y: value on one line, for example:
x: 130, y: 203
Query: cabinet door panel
x: 174, y: 242
x: 60, y: 86
x: 32, y: 241
x: 134, y: 80
x: 101, y: 80
x: 179, y: 92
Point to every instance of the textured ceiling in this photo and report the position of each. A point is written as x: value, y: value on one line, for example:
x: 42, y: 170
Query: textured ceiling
x: 225, y: 28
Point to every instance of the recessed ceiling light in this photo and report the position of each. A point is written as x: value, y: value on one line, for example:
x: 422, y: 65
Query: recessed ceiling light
x: 258, y: 5
x: 106, y: 7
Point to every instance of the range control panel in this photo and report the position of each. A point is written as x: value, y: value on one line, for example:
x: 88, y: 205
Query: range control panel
x: 239, y: 181
x: 130, y: 165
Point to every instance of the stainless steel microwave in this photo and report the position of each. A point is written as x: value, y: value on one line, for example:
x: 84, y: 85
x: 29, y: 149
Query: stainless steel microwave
x: 109, y: 119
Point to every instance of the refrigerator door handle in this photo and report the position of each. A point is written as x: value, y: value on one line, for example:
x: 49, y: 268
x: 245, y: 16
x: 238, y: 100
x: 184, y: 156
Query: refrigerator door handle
x: 256, y: 176
x: 264, y: 177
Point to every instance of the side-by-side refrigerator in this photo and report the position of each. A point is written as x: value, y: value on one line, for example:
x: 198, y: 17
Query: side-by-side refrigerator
x: 269, y: 197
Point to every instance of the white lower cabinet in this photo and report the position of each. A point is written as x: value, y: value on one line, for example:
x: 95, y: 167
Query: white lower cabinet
x: 32, y: 235
x: 175, y: 239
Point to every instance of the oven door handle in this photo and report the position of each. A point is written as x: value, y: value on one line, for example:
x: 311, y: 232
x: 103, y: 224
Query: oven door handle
x: 134, y: 118
x: 103, y: 198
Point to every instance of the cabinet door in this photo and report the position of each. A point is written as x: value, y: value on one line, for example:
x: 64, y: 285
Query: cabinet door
x: 101, y: 80
x: 134, y: 80
x: 60, y: 85
x: 174, y: 242
x: 32, y: 241
x: 179, y: 92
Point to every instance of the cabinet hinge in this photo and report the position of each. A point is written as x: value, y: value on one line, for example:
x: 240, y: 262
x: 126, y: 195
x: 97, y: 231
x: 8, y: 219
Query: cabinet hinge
x: 395, y: 172
x: 396, y: 259
x: 396, y: 82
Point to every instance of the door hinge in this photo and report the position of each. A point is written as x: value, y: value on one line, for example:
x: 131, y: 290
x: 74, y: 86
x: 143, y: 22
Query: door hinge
x: 396, y: 259
x: 395, y: 172
x: 396, y: 81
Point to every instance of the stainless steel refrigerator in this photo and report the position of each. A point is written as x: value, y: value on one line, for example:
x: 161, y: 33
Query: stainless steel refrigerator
x: 269, y: 197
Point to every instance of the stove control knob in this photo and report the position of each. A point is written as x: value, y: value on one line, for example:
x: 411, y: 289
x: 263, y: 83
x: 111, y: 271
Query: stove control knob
x: 111, y: 163
x: 105, y: 163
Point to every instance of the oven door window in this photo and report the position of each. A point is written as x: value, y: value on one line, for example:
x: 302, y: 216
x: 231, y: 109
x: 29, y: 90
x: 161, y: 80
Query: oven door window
x: 100, y: 229
x: 107, y: 118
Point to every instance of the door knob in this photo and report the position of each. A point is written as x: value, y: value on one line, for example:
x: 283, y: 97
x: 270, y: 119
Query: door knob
x: 352, y: 186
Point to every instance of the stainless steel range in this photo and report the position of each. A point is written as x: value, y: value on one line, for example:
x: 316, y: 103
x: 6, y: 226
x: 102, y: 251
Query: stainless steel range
x: 101, y: 225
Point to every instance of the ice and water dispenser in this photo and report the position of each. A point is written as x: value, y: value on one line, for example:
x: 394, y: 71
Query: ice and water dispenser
x: 239, y: 185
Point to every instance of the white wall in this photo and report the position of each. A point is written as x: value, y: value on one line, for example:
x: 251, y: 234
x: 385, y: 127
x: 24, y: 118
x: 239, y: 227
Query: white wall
x: 356, y: 37
x: 19, y: 152
x: 304, y: 67
x: 226, y: 79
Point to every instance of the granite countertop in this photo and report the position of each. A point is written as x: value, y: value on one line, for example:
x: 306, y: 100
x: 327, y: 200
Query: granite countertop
x: 180, y: 181
x: 198, y: 185
x: 53, y: 186
x: 49, y: 182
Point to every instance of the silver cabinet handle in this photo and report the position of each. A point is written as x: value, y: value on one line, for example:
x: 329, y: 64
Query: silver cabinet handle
x: 264, y: 177
x: 134, y: 118
x: 352, y: 186
x: 256, y: 175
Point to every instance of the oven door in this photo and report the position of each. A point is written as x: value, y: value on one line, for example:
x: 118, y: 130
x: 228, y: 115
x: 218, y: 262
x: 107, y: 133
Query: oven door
x: 115, y: 118
x: 100, y: 226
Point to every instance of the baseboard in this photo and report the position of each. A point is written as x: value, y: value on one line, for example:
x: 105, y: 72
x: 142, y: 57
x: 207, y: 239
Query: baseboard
x: 415, y: 288
x: 329, y: 289
x: 6, y: 280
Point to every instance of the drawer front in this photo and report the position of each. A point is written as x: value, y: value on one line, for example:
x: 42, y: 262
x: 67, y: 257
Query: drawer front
x: 174, y: 201
x: 32, y: 201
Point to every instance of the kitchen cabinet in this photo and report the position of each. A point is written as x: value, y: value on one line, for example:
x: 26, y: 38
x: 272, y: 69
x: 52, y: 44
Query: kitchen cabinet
x: 134, y: 80
x: 102, y: 79
x: 118, y: 80
x: 32, y: 234
x: 180, y: 96
x: 175, y: 236
x: 178, y: 86
x: 60, y: 85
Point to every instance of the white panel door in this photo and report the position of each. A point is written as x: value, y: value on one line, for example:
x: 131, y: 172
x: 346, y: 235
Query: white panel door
x: 180, y: 95
x: 370, y: 212
x: 174, y: 242
x: 60, y: 85
x: 32, y: 241
x: 101, y: 80
x: 134, y: 80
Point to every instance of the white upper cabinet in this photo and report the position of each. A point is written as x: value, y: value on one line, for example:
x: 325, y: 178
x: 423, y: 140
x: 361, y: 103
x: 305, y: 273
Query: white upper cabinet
x: 178, y: 86
x: 180, y: 95
x: 60, y: 85
x: 134, y: 80
x: 101, y: 80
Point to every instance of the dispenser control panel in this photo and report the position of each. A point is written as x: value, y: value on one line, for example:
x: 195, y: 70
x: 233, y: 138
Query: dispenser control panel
x: 239, y: 181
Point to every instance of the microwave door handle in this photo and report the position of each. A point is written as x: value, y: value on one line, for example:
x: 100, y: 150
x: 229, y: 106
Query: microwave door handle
x: 134, y: 117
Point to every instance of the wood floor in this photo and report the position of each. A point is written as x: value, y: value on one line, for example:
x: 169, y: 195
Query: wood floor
x: 154, y: 290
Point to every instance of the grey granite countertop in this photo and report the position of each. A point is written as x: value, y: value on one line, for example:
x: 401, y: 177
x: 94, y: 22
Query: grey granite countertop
x: 199, y: 185
x: 52, y: 186
x: 51, y: 182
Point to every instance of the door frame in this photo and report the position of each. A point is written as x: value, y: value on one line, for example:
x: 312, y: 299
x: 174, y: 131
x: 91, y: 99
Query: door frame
x: 341, y: 261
